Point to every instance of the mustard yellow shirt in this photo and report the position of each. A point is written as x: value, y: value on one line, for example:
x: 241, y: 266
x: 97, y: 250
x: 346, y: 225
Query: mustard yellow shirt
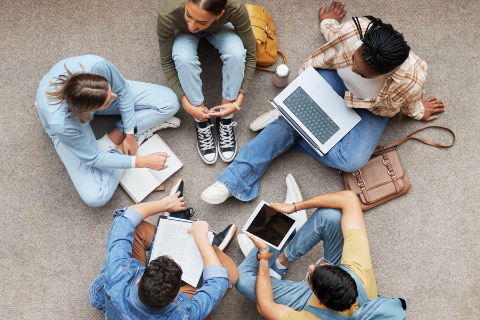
x: 356, y: 257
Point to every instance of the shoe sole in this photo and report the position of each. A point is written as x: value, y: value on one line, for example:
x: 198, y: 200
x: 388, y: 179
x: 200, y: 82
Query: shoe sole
x: 174, y: 122
x: 214, y: 201
x: 223, y: 246
x: 244, y: 249
x: 177, y: 181
x: 298, y: 195
x: 260, y: 123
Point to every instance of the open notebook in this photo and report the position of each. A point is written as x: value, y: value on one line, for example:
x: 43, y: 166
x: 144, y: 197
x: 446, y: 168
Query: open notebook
x: 140, y: 182
x: 171, y: 239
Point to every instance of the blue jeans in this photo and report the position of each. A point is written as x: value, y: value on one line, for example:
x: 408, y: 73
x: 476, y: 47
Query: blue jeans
x: 242, y: 177
x: 153, y: 104
x: 232, y: 53
x: 323, y: 225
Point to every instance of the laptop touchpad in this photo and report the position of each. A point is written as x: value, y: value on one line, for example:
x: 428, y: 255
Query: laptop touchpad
x: 327, y: 99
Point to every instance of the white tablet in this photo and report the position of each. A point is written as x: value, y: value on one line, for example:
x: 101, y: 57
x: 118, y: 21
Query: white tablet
x: 270, y: 225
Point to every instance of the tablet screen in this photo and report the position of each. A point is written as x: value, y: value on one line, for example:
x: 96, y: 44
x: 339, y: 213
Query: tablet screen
x: 270, y: 225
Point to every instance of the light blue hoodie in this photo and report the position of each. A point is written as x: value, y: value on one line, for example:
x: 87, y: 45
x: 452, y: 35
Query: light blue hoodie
x: 69, y: 130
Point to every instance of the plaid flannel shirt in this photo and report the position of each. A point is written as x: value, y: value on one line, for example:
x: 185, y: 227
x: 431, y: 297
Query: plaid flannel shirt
x: 403, y: 90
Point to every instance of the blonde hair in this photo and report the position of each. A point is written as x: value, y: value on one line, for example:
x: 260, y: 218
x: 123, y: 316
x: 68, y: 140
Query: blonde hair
x: 83, y: 92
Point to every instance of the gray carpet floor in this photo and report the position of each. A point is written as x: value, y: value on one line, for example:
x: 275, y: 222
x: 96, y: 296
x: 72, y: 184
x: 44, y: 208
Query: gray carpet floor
x: 424, y: 245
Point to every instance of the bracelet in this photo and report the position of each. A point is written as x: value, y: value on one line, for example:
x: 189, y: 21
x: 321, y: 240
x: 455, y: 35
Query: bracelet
x: 236, y: 106
x: 295, y: 207
x: 264, y: 255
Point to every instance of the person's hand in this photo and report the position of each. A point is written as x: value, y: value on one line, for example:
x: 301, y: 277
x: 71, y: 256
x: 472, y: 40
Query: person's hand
x: 224, y: 110
x: 174, y: 203
x: 283, y: 207
x: 336, y: 11
x: 201, y: 113
x: 130, y: 145
x: 260, y: 244
x: 155, y: 161
x: 432, y: 106
x: 199, y: 230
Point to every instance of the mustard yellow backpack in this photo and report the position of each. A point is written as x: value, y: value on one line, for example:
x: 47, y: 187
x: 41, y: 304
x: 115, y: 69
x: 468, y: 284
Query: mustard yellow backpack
x: 266, y: 35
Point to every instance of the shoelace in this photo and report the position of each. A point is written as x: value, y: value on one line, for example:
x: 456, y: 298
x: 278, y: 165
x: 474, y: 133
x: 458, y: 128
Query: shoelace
x: 189, y: 212
x: 206, y: 138
x: 226, y: 135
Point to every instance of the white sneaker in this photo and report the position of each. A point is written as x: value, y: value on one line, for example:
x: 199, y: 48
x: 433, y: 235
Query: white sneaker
x: 245, y: 243
x: 264, y: 120
x: 105, y: 144
x: 216, y: 193
x: 172, y: 122
x: 294, y: 195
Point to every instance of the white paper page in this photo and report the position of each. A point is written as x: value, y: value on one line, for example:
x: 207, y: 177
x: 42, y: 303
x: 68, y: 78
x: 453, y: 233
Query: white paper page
x: 138, y: 182
x: 156, y: 144
x: 173, y: 240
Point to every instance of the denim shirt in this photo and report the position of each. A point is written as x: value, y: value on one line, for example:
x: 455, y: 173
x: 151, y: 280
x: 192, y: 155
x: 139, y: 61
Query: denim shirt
x: 68, y: 129
x: 115, y: 292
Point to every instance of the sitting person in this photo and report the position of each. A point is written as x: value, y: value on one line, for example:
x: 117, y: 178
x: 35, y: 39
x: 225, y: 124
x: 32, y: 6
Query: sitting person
x: 78, y: 88
x: 339, y: 223
x: 128, y: 288
x: 226, y: 25
x: 377, y: 75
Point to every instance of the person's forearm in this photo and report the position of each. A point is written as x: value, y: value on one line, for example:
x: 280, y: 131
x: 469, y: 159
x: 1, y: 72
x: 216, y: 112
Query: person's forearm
x: 209, y: 256
x: 336, y: 200
x: 263, y: 287
x: 239, y: 100
x: 146, y: 209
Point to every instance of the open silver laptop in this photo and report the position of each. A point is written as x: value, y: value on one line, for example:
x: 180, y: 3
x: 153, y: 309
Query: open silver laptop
x: 315, y: 110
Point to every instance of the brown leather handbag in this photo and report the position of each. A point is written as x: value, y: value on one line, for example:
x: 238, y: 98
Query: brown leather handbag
x: 266, y: 35
x: 383, y: 178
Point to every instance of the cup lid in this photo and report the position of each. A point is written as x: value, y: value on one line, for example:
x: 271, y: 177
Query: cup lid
x: 282, y: 70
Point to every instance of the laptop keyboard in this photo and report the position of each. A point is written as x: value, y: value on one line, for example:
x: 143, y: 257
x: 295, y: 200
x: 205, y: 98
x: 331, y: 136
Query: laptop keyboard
x: 311, y: 115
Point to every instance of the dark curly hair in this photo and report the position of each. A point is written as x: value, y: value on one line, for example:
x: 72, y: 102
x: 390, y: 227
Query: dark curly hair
x: 160, y: 283
x: 384, y: 48
x: 334, y: 287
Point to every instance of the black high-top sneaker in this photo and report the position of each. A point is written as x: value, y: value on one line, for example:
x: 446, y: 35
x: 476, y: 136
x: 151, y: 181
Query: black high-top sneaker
x: 184, y: 214
x: 224, y: 238
x: 227, y: 144
x: 205, y: 143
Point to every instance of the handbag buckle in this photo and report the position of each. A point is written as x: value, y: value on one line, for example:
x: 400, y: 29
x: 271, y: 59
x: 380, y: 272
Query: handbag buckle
x: 355, y: 175
x: 361, y: 184
x: 383, y: 160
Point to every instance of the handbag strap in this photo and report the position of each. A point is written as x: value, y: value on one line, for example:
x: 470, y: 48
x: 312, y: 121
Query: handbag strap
x: 409, y: 137
x: 284, y: 62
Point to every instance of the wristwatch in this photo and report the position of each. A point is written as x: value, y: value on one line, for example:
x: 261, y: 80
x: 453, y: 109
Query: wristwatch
x: 264, y: 255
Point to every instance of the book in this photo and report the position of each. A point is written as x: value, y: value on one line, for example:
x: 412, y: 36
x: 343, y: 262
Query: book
x: 140, y: 182
x: 171, y: 239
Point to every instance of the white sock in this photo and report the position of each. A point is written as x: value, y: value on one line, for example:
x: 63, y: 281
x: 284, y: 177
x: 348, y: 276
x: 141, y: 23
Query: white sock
x: 279, y: 265
x: 230, y: 116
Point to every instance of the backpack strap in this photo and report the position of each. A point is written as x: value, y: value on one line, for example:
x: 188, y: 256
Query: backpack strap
x: 362, y: 294
x: 284, y: 62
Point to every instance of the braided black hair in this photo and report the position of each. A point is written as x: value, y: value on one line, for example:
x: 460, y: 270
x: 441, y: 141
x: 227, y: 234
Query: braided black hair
x: 384, y: 48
